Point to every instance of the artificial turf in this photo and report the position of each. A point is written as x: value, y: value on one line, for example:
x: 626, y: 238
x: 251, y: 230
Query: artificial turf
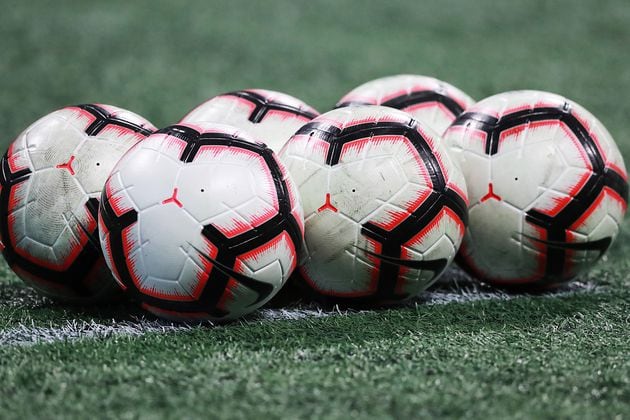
x: 551, y: 356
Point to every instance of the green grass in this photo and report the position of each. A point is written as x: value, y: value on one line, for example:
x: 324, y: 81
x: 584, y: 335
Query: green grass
x: 538, y: 357
x: 530, y: 357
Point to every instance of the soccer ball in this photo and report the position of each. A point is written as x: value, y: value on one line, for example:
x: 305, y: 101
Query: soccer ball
x: 547, y: 184
x: 270, y: 116
x: 51, y: 180
x: 200, y: 222
x: 385, y: 208
x: 431, y: 101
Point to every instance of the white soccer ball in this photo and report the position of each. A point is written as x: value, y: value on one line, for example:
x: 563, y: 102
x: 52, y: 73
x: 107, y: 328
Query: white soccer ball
x: 548, y: 188
x: 385, y: 207
x: 272, y: 117
x: 51, y: 181
x: 200, y: 222
x: 433, y: 102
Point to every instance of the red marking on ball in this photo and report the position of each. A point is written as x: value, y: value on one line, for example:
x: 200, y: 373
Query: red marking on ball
x: 327, y: 205
x: 490, y: 194
x: 67, y: 165
x: 173, y: 199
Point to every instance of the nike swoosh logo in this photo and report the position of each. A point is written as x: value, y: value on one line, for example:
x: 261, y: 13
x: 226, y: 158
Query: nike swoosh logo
x: 263, y: 289
x: 600, y: 245
x: 95, y: 242
x: 432, y: 265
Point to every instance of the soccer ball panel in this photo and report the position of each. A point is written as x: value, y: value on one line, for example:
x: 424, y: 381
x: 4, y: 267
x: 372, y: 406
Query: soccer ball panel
x: 604, y: 141
x: 270, y: 263
x: 344, y: 118
x: 441, y: 237
x: 117, y: 194
x: 248, y: 199
x: 521, y: 187
x: 517, y: 101
x: 107, y: 251
x: 271, y: 117
x: 165, y: 145
x: 91, y: 156
x: 395, y: 184
x: 124, y: 115
x: 433, y: 102
x: 139, y: 180
x: 505, y: 256
x: 220, y: 109
x: 308, y: 153
x: 170, y: 240
x: 51, y: 141
x: 337, y: 265
x: 278, y: 253
x: 294, y: 195
x: 303, y: 144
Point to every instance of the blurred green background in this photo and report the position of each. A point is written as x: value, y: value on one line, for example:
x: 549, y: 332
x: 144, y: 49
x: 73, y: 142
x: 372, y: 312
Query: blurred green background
x: 160, y: 58
x: 555, y: 357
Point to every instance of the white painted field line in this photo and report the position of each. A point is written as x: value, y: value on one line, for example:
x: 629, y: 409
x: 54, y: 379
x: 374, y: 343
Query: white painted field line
x: 25, y: 335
